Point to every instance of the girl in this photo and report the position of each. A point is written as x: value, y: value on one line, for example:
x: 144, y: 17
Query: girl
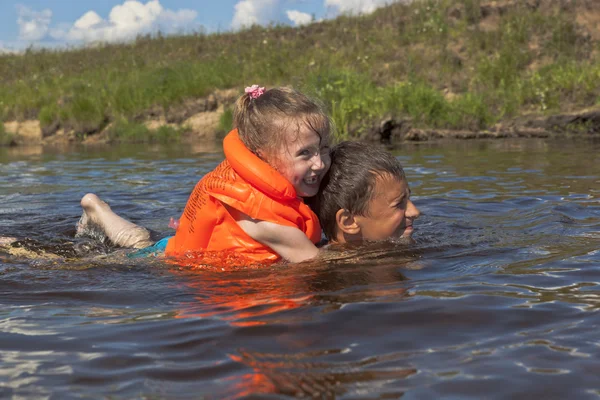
x: 251, y: 204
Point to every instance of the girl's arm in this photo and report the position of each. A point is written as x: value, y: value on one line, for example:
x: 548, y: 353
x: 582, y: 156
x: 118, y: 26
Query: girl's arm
x: 289, y: 242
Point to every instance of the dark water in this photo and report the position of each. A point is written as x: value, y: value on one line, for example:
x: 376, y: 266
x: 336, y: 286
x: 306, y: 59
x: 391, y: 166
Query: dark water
x: 499, y: 298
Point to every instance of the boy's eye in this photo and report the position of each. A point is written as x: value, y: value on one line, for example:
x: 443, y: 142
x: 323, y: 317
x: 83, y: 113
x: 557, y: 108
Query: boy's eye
x: 402, y: 203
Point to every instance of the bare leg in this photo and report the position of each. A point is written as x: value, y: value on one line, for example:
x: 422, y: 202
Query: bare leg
x: 119, y: 231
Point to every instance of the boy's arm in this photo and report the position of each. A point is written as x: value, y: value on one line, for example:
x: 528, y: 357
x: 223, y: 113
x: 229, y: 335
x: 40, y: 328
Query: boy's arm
x: 289, y: 242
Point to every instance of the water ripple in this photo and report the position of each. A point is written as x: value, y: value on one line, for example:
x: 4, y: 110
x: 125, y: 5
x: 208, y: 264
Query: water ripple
x: 498, y: 297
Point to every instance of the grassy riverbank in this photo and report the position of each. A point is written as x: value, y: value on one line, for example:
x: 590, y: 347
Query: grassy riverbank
x: 459, y: 64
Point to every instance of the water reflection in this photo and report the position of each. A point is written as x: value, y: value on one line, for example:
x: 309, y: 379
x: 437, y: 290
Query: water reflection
x: 301, y: 374
x: 258, y: 297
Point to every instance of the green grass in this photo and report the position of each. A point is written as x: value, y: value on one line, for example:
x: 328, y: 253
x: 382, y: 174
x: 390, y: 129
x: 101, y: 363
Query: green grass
x: 397, y: 61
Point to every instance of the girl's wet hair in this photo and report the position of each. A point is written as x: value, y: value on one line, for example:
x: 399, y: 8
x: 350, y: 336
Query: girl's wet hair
x: 264, y: 122
x: 350, y: 183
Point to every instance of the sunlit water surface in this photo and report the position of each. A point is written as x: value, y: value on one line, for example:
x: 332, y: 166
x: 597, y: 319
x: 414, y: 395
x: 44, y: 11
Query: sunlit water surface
x: 498, y: 298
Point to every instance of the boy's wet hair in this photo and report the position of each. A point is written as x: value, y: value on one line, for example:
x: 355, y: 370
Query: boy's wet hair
x: 263, y: 122
x: 350, y: 182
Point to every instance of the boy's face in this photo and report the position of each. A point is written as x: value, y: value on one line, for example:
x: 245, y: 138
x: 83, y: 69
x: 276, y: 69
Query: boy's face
x: 390, y: 213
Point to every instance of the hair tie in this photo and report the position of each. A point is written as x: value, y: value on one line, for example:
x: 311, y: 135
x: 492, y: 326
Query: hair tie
x: 255, y: 91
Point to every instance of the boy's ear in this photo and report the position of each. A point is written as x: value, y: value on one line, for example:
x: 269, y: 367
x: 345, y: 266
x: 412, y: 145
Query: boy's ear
x: 346, y: 222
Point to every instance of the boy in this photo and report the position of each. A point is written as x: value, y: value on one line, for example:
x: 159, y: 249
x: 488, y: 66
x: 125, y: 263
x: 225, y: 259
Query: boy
x: 365, y: 196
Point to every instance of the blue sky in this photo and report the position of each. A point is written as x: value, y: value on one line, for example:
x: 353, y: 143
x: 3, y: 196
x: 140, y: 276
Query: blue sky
x: 78, y: 22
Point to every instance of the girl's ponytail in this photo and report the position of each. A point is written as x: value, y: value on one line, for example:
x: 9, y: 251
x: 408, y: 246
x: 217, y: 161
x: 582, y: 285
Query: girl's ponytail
x: 241, y: 110
x: 244, y: 104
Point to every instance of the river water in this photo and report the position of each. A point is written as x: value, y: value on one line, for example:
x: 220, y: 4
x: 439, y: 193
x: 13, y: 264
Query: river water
x: 498, y: 298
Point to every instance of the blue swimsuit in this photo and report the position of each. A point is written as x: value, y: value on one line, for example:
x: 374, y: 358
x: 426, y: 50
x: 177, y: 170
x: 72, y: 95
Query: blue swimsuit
x: 157, y: 248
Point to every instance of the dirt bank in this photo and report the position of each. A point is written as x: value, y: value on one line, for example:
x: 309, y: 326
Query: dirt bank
x: 581, y: 124
x: 204, y: 126
x: 199, y: 119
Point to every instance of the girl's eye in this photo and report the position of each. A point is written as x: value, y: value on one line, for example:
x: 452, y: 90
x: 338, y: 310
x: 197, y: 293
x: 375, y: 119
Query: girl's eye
x: 304, y: 153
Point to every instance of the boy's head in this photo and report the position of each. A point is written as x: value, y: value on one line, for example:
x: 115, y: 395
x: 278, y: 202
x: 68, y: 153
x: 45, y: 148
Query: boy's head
x: 365, y: 195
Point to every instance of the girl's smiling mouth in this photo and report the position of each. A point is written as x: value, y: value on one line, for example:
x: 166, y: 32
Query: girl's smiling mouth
x: 312, y: 180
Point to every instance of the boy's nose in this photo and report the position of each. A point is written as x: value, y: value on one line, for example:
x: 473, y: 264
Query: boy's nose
x: 412, y: 211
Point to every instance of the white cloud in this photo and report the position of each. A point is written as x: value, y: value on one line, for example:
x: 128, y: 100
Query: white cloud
x: 33, y: 25
x: 250, y: 12
x: 356, y: 6
x: 125, y: 22
x: 88, y: 20
x: 299, y: 18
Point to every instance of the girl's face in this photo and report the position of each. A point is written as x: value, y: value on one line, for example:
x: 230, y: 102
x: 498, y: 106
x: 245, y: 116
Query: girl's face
x: 304, y: 161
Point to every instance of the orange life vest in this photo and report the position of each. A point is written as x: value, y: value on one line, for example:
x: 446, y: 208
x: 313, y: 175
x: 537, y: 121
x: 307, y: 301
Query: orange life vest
x: 249, y: 185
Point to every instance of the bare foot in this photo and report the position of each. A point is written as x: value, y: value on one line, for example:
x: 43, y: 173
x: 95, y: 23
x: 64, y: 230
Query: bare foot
x: 85, y: 226
x: 99, y: 222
